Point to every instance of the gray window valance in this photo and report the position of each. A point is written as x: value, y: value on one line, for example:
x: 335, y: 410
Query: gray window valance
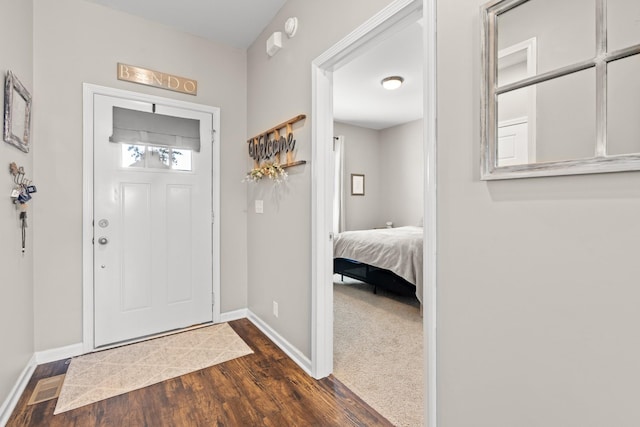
x: 158, y: 130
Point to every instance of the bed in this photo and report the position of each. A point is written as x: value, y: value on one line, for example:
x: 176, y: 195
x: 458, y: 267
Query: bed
x: 389, y: 258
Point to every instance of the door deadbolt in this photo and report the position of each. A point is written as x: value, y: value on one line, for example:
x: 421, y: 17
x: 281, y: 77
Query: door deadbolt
x: 103, y: 223
x: 103, y: 240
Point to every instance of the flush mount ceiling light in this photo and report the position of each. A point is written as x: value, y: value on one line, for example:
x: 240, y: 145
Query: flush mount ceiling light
x: 392, y: 83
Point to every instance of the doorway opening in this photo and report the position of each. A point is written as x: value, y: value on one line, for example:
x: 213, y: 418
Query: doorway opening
x: 395, y: 16
x: 378, y: 250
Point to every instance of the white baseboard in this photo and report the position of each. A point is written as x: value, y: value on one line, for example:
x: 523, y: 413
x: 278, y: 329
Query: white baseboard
x: 233, y: 315
x: 14, y: 395
x: 38, y: 358
x: 59, y: 353
x: 290, y: 350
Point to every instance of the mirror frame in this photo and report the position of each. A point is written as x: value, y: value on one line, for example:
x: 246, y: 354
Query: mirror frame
x: 13, y: 87
x: 600, y: 162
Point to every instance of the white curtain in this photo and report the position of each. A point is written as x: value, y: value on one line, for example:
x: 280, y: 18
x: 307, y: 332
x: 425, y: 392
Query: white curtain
x: 338, y: 184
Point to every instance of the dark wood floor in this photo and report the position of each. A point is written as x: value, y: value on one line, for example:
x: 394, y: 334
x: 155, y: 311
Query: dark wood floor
x: 262, y: 389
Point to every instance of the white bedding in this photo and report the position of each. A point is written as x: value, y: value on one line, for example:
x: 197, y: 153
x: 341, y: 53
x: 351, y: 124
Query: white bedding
x: 396, y: 249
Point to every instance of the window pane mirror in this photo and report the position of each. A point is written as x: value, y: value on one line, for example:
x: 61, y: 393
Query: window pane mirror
x: 560, y: 87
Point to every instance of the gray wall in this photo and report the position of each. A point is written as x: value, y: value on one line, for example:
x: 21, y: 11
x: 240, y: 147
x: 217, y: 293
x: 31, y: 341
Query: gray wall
x: 402, y: 167
x: 391, y: 160
x: 16, y: 278
x: 537, y: 278
x: 279, y: 88
x: 76, y: 42
x: 361, y: 156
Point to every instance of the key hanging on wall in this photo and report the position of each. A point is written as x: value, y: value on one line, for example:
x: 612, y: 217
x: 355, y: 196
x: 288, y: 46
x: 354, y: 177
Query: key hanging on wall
x: 23, y: 225
x: 21, y: 195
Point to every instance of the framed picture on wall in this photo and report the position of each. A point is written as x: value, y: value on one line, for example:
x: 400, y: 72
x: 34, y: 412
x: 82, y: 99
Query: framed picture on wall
x: 17, y: 113
x: 357, y: 184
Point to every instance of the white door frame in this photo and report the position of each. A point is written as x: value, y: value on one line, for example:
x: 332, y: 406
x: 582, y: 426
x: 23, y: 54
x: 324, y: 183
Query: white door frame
x: 395, y: 13
x: 89, y: 91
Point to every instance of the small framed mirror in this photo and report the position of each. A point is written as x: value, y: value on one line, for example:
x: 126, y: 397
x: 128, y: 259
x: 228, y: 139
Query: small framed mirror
x: 561, y: 87
x: 17, y: 113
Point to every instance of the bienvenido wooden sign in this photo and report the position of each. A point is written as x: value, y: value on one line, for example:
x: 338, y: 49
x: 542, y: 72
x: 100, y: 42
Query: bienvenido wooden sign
x: 148, y: 77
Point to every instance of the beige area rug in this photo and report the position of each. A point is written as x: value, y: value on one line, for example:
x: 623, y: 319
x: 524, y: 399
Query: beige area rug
x: 97, y: 376
x: 378, y: 350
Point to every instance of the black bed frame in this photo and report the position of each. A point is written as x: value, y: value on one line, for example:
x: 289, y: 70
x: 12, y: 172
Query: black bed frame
x: 378, y: 277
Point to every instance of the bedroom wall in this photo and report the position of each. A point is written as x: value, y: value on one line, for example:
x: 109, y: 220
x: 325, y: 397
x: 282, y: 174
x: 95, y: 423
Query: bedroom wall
x: 537, y: 278
x: 76, y: 42
x: 279, y: 88
x: 402, y: 169
x: 16, y: 282
x: 362, y: 156
x: 391, y: 160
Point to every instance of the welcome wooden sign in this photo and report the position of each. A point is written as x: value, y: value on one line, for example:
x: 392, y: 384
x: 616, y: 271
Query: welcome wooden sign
x: 158, y: 79
x: 272, y: 143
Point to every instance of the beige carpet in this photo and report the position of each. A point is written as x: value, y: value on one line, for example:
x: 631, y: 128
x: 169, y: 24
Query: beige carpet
x: 97, y: 376
x: 378, y: 350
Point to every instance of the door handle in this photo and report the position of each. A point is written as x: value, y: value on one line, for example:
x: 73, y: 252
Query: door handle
x: 103, y: 240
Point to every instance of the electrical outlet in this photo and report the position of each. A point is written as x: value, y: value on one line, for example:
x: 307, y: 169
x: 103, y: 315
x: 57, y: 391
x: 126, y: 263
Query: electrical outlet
x: 275, y: 309
x: 259, y: 206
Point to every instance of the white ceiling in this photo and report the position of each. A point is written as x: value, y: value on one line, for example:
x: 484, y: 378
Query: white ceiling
x: 235, y: 23
x: 359, y: 99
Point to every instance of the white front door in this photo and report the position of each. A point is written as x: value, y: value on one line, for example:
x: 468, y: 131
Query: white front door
x: 152, y: 228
